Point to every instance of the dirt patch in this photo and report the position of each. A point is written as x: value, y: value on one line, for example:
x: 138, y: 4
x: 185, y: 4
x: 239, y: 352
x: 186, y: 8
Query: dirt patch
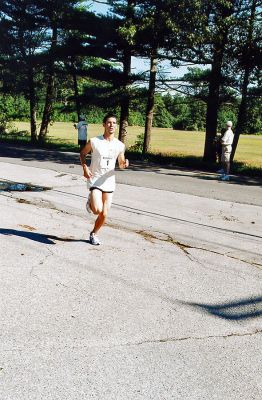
x: 23, y: 201
x: 28, y: 227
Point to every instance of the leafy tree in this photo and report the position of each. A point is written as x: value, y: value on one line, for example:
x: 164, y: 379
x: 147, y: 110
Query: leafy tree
x: 249, y: 61
x: 54, y: 12
x: 151, y: 35
x: 254, y: 111
x: 23, y: 32
x: 107, y: 42
x: 220, y: 20
x: 126, y: 31
x: 163, y: 118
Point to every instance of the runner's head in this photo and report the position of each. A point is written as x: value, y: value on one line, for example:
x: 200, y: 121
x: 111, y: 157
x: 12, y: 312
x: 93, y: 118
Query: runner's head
x: 109, y: 124
x: 109, y: 115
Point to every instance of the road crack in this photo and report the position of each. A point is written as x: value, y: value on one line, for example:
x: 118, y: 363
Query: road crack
x: 140, y: 343
x: 168, y: 340
x: 41, y: 262
x: 184, y: 247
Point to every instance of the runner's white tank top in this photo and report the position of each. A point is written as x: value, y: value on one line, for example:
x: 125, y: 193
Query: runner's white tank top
x: 103, y: 161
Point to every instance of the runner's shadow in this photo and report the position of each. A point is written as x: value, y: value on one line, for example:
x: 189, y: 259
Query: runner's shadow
x: 39, y: 237
x: 242, y: 309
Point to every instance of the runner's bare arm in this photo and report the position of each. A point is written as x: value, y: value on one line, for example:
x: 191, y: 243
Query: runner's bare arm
x: 83, y: 153
x: 122, y: 161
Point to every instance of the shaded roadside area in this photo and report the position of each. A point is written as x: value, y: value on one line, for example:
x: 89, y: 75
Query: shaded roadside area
x: 243, y: 190
x: 71, y: 159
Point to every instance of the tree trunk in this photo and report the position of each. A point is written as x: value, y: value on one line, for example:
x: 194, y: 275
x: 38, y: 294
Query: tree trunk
x: 150, y: 102
x: 50, y: 89
x: 215, y: 81
x: 124, y: 115
x: 31, y: 86
x: 213, y: 106
x: 125, y: 103
x: 242, y: 112
x: 33, y: 106
x: 74, y: 76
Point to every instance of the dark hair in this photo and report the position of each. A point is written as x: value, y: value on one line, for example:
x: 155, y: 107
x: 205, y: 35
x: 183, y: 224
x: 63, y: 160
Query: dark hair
x: 109, y: 115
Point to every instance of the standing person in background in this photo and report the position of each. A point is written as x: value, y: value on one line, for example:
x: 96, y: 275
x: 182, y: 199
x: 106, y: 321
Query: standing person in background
x: 106, y: 149
x: 82, y: 131
x: 226, y: 141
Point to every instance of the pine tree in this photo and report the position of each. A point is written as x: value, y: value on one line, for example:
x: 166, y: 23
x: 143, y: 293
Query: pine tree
x: 54, y: 12
x: 22, y: 32
x: 249, y: 61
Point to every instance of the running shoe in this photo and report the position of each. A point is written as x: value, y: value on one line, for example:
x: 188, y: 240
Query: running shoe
x: 94, y: 239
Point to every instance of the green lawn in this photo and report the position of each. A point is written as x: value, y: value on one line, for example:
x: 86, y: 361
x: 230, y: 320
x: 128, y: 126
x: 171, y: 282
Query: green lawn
x: 164, y: 140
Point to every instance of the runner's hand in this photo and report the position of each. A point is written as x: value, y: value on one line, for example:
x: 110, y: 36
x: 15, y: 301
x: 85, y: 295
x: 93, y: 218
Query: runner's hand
x: 87, y: 173
x: 123, y: 163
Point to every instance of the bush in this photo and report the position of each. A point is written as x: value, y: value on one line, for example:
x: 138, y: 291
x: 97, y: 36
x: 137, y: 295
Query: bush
x: 138, y: 146
x: 136, y: 119
x: 6, y: 112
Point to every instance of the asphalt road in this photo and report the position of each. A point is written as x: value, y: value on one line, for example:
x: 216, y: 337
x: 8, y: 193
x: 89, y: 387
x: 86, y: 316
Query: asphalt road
x: 240, y: 189
x: 168, y: 307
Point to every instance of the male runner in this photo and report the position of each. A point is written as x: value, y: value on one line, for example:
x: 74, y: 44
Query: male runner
x: 106, y: 149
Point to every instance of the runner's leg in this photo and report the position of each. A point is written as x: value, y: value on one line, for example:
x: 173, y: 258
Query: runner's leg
x: 107, y: 201
x: 96, y: 201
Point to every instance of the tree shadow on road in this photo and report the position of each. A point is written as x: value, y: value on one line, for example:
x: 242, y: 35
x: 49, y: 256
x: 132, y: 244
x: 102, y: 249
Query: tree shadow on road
x: 242, y: 309
x: 72, y: 159
x: 212, y: 176
x: 39, y: 237
x: 234, y: 180
x: 35, y: 154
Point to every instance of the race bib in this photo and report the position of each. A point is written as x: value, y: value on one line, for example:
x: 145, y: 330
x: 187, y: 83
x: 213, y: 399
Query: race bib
x: 107, y: 162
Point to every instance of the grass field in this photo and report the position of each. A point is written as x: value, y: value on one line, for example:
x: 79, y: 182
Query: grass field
x: 163, y: 140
